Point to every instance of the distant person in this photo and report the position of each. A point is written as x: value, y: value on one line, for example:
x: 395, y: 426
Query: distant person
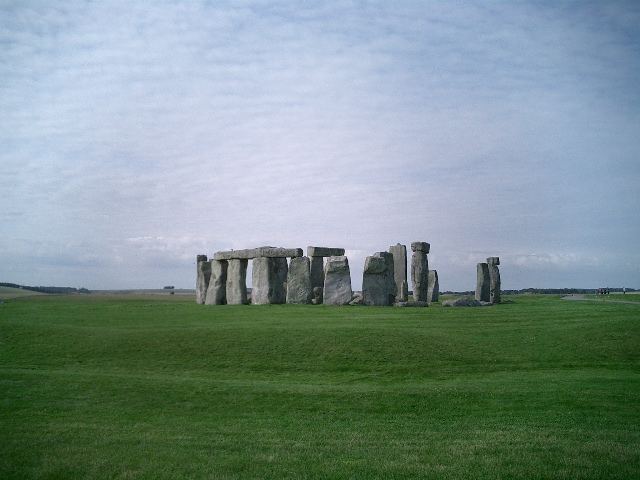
x: 624, y: 290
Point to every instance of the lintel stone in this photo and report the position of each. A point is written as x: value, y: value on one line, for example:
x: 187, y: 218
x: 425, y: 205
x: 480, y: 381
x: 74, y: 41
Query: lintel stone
x: 324, y: 252
x: 271, y: 252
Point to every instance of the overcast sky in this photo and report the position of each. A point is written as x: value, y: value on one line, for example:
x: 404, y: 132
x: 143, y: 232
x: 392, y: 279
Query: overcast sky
x: 135, y: 135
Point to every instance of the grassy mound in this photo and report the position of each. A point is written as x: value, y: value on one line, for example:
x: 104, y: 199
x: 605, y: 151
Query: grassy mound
x: 117, y: 387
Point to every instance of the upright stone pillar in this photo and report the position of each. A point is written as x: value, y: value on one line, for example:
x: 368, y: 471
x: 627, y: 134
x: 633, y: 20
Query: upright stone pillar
x: 378, y: 284
x: 299, y: 288
x: 268, y: 280
x: 494, y: 279
x: 420, y: 270
x: 337, y: 281
x: 433, y: 290
x: 237, y: 281
x: 399, y: 253
x: 317, y: 272
x: 317, y: 256
x: 482, y: 282
x: 217, y: 291
x: 203, y: 273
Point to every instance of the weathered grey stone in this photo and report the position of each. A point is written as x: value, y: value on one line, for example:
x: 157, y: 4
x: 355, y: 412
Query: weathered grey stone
x: 482, y: 282
x: 378, y: 284
x: 494, y: 279
x: 299, y: 281
x: 411, y: 304
x: 268, y: 280
x: 420, y: 247
x: 217, y: 291
x: 324, y: 252
x: 272, y: 252
x: 357, y: 299
x: 493, y: 260
x: 317, y: 295
x: 237, y: 281
x: 337, y: 281
x: 317, y: 272
x: 203, y: 273
x: 462, y: 302
x: 399, y: 253
x: 420, y: 270
x: 433, y: 290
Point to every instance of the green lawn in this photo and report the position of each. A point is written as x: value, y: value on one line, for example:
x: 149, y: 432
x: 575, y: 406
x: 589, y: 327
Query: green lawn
x: 629, y: 297
x: 116, y: 387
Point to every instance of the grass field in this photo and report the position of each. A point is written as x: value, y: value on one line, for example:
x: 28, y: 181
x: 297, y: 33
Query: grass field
x: 10, y: 292
x: 120, y: 387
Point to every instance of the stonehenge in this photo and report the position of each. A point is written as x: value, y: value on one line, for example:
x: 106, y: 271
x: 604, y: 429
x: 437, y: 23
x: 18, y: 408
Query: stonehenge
x: 433, y: 289
x: 488, y: 281
x: 337, y: 281
x: 203, y: 274
x: 269, y: 280
x: 378, y: 283
x: 217, y: 290
x: 299, y: 288
x: 317, y: 256
x: 482, y: 282
x: 420, y: 270
x: 323, y: 276
x: 494, y: 279
x: 236, y: 290
x: 399, y: 253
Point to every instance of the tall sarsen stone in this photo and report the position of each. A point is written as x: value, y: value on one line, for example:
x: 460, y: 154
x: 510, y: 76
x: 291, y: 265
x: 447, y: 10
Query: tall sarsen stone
x: 203, y: 273
x: 337, y: 281
x: 420, y: 270
x: 299, y: 281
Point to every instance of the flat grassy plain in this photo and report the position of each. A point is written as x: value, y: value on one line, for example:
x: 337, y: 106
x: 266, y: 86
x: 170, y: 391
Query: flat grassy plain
x: 137, y: 387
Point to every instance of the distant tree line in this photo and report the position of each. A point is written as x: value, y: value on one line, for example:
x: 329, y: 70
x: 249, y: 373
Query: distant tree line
x: 554, y: 291
x: 41, y: 289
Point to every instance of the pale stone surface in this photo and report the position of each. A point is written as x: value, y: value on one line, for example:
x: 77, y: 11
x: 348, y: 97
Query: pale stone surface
x: 217, y: 291
x: 299, y: 281
x: 378, y: 284
x: 203, y: 273
x: 324, y: 252
x: 494, y: 279
x: 420, y: 271
x: 462, y: 302
x: 493, y: 260
x: 433, y: 290
x: 337, y: 281
x: 272, y: 252
x: 317, y: 272
x: 317, y: 295
x: 482, y: 282
x: 357, y: 299
x: 420, y: 247
x: 399, y: 253
x: 411, y: 304
x: 237, y: 281
x: 268, y: 280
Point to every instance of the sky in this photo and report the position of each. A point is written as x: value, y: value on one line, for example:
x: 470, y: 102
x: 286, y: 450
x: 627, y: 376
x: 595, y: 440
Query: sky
x: 136, y: 135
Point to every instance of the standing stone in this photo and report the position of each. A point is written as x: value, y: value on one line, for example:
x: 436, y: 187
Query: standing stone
x: 299, y: 281
x: 399, y: 253
x: 337, y: 281
x: 217, y: 291
x: 317, y: 296
x: 482, y: 282
x: 433, y: 290
x: 317, y: 272
x: 494, y: 279
x: 378, y: 284
x: 203, y: 273
x: 268, y: 280
x: 317, y: 254
x: 237, y: 281
x: 420, y: 270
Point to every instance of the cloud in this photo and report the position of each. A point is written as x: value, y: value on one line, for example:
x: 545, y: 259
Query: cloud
x: 195, y: 127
